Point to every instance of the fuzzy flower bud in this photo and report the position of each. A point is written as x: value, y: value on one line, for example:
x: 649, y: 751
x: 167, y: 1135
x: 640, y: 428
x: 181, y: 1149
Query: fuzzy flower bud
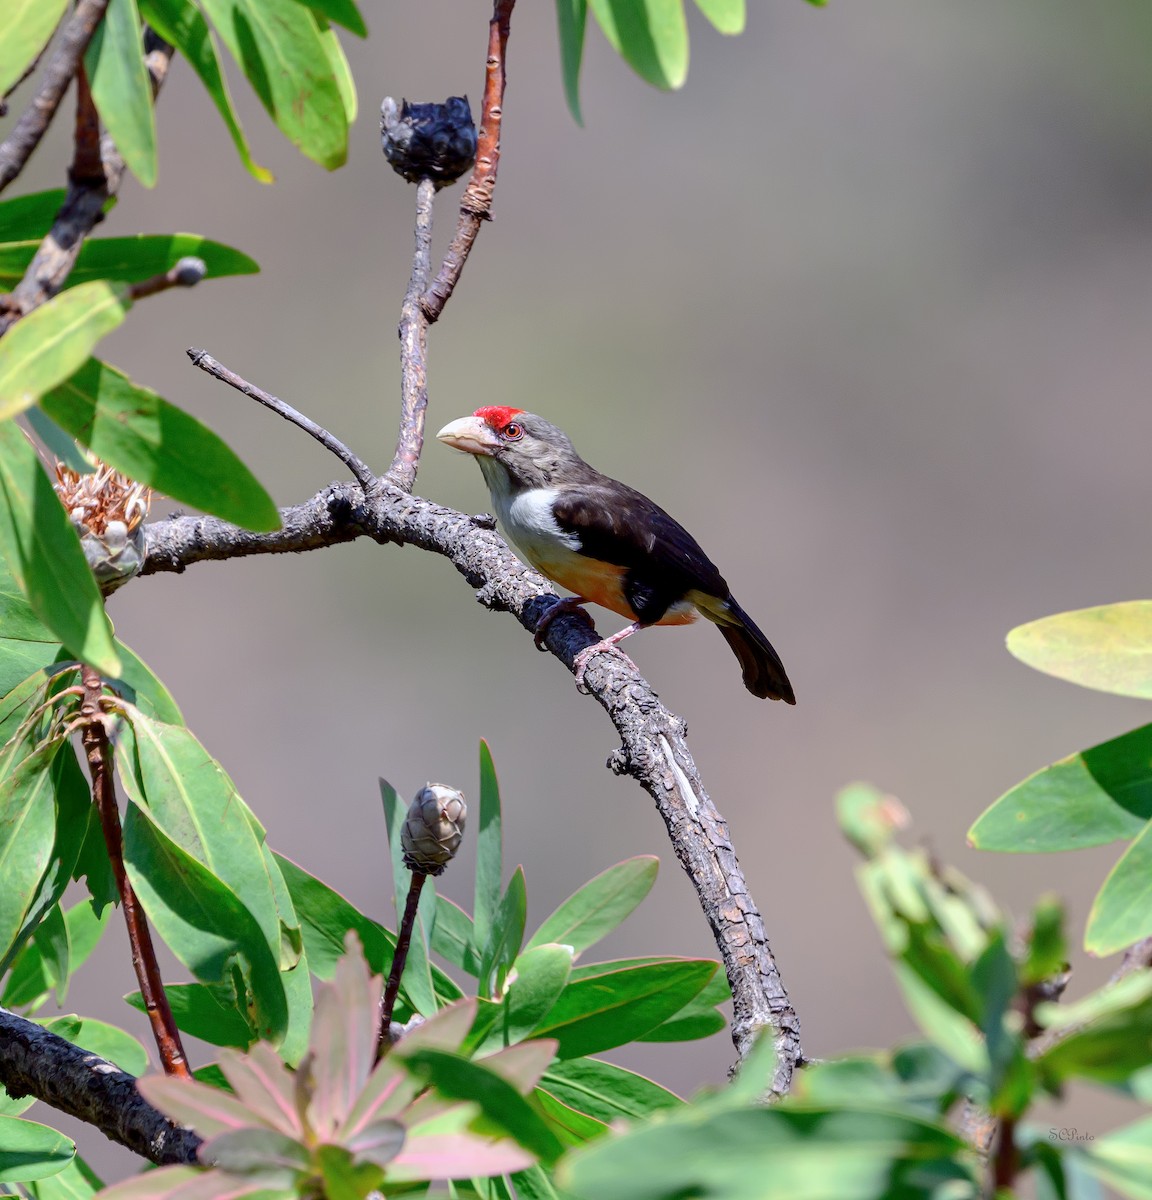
x: 433, y: 828
x: 437, y: 141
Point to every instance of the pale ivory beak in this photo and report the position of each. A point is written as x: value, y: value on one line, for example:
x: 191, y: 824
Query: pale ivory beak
x: 471, y: 435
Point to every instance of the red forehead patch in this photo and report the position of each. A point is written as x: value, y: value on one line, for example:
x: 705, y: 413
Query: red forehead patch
x: 497, y: 415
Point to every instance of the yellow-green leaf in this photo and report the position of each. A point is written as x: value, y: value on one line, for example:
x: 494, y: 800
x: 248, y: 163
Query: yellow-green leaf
x: 51, y: 342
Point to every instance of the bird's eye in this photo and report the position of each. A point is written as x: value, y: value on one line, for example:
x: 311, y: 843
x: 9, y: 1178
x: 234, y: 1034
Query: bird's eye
x: 513, y: 431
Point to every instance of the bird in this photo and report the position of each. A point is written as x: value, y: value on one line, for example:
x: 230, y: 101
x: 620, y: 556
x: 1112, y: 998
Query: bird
x: 605, y: 541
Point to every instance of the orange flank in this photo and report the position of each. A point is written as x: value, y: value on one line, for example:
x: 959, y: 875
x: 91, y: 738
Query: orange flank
x: 599, y: 583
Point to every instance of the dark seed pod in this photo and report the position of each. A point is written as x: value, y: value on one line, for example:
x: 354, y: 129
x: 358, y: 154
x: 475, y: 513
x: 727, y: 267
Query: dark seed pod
x: 435, y: 141
x: 433, y: 828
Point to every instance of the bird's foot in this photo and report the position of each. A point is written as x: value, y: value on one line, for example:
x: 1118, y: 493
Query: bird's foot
x: 569, y: 604
x: 581, y: 661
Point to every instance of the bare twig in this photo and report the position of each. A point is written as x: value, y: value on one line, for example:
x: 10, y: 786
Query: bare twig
x: 98, y: 751
x: 33, y: 123
x: 654, y: 748
x: 34, y: 1062
x: 399, y: 959
x: 205, y: 361
x: 95, y: 176
x: 476, y: 203
x: 414, y: 348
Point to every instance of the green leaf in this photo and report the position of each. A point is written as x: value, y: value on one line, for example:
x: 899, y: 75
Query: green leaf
x: 156, y: 443
x: 31, y: 216
x: 1113, y: 1047
x: 202, y: 920
x: 25, y: 27
x: 600, y: 906
x: 73, y: 817
x: 340, y: 12
x: 650, y: 35
x: 341, y: 71
x: 131, y: 259
x: 868, y: 818
x: 76, y: 1182
x: 278, y: 46
x: 489, y: 852
x: 1121, y: 913
x: 45, y: 347
x: 777, y: 1153
x: 31, y: 1151
x: 506, y: 938
x: 459, y: 1079
x: 325, y: 919
x: 139, y: 686
x: 538, y: 977
x: 50, y: 939
x: 205, y: 1011
x: 617, y: 1006
x: 56, y: 442
x: 121, y: 88
x: 453, y: 936
x: 43, y: 554
x: 98, y: 1037
x: 27, y: 834
x: 919, y: 1077
x: 1123, y: 1159
x: 953, y: 1033
x: 1086, y: 799
x: 1108, y: 647
x: 190, y: 797
x: 570, y: 1125
x: 417, y: 980
x: 31, y: 975
x: 727, y: 15
x: 182, y: 24
x: 605, y: 1091
x: 20, y: 623
x: 698, y: 1018
x: 572, y: 19
x: 1047, y: 950
x: 534, y: 1184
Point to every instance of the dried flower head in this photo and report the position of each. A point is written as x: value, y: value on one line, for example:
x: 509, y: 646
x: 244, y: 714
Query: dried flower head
x: 108, y: 511
x: 435, y: 141
x: 433, y: 828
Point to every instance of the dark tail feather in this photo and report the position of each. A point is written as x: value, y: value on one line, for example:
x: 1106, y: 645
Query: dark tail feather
x: 764, y: 673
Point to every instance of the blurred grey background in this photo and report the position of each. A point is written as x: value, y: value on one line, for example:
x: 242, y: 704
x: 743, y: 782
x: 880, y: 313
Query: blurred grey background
x: 866, y: 305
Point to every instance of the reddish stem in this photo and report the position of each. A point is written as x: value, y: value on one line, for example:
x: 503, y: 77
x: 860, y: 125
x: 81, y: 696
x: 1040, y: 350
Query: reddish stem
x: 98, y: 751
x: 399, y: 959
x: 476, y: 203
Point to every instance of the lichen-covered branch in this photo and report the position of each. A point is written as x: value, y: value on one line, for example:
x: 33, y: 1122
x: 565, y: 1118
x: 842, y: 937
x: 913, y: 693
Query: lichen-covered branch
x: 34, y: 1062
x: 653, y: 750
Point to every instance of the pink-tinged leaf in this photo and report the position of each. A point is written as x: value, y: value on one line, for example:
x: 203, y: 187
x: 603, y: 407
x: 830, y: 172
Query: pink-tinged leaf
x: 207, y: 1109
x: 379, y: 1143
x: 343, y: 1043
x: 151, y: 1185
x: 251, y: 1151
x: 444, y: 1031
x: 265, y: 1085
x: 220, y: 1185
x: 456, y: 1156
x: 523, y: 1064
x: 388, y: 1092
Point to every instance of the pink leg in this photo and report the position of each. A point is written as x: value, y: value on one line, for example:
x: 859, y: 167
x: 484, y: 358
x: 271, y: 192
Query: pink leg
x: 609, y: 643
x: 569, y: 604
